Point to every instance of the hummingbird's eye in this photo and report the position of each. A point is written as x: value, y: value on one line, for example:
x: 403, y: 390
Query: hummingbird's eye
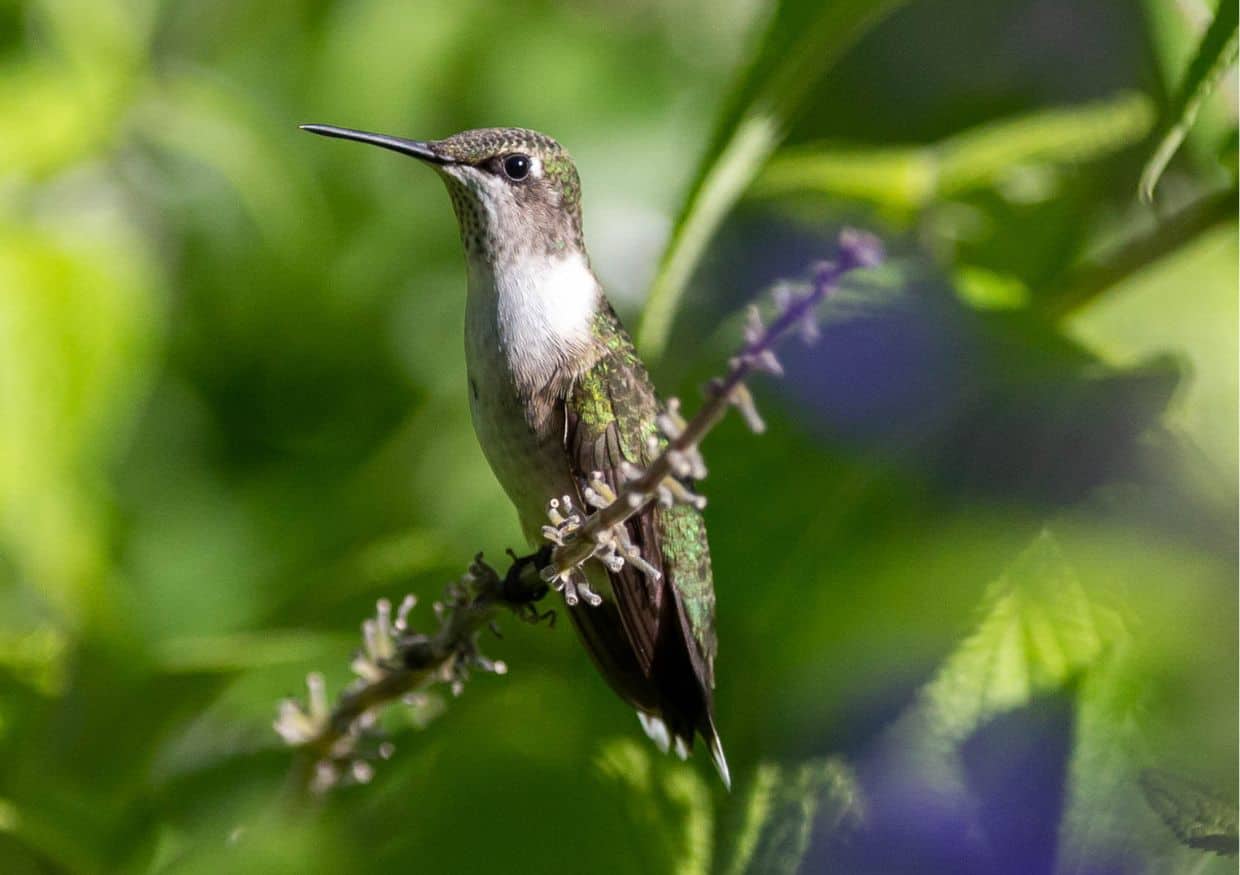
x: 517, y: 166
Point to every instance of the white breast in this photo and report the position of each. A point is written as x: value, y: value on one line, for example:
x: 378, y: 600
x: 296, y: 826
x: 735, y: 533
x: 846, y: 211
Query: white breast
x: 521, y: 327
x: 542, y: 310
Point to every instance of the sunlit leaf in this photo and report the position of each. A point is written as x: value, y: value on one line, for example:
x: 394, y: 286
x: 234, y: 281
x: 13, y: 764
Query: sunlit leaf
x: 1038, y: 629
x: 1149, y: 313
x: 50, y: 117
x: 801, y: 44
x: 1102, y: 814
x: 988, y: 290
x: 783, y: 809
x: 668, y: 801
x: 78, y: 317
x: 63, y: 103
x: 1006, y: 155
x: 1215, y: 56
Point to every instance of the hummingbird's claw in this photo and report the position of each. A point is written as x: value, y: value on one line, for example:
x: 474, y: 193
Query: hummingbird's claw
x: 518, y: 589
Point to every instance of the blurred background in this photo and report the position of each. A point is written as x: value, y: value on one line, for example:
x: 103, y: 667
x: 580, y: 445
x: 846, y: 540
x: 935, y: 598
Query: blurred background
x: 977, y: 583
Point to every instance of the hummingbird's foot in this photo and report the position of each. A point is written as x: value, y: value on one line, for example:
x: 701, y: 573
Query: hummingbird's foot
x: 523, y: 586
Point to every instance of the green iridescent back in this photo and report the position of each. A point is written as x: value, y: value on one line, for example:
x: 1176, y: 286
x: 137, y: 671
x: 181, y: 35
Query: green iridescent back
x: 615, y: 408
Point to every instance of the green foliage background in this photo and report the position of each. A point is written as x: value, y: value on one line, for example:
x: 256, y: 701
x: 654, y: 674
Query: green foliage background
x: 232, y: 416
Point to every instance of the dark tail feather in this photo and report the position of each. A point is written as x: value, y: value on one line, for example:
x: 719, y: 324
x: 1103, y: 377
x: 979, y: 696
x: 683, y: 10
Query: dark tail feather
x: 603, y: 636
x: 685, y: 706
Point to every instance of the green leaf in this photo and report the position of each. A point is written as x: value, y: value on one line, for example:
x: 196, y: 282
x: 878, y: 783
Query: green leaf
x: 225, y: 654
x: 985, y: 289
x: 78, y: 323
x: 667, y: 802
x: 35, y: 657
x: 1042, y: 632
x: 1215, y: 56
x: 783, y: 808
x: 64, y: 102
x: 1009, y: 154
x: 99, y: 37
x: 1148, y: 314
x: 220, y: 128
x: 51, y: 117
x: 1102, y: 813
x: 801, y: 43
x: 1199, y: 818
x: 1039, y: 630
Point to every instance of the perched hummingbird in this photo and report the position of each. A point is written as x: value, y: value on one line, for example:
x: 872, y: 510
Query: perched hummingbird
x: 557, y: 392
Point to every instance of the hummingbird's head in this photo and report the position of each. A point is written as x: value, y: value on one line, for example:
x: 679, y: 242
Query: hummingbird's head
x: 515, y: 191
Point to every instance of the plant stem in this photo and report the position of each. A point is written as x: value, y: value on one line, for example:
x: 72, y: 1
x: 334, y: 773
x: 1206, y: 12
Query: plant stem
x: 1096, y: 276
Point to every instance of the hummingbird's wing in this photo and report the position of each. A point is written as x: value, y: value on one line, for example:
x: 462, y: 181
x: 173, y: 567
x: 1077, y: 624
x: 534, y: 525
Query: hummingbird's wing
x: 668, y: 623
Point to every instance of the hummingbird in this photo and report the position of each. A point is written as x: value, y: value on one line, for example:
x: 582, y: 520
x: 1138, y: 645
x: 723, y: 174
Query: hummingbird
x: 558, y: 396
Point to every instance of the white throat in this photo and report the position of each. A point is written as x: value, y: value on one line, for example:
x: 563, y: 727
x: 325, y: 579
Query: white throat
x: 535, y: 310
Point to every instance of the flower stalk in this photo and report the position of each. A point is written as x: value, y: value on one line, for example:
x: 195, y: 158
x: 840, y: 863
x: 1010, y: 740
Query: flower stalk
x: 395, y: 663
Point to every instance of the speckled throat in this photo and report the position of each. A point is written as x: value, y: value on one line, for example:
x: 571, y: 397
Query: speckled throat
x: 538, y: 215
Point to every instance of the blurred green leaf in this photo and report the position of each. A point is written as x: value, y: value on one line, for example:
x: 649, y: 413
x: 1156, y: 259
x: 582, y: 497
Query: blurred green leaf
x: 402, y: 54
x: 218, y: 654
x: 1199, y: 818
x: 215, y: 126
x: 668, y: 801
x: 260, y: 840
x: 98, y: 38
x: 1102, y: 814
x: 35, y: 657
x: 1215, y: 56
x: 989, y: 290
x: 785, y: 806
x: 8, y: 816
x: 1149, y: 313
x: 78, y: 323
x: 1009, y: 155
x: 802, y: 42
x: 64, y: 101
x: 51, y: 116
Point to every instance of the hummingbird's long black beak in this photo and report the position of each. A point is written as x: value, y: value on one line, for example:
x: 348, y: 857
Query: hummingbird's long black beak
x: 416, y: 148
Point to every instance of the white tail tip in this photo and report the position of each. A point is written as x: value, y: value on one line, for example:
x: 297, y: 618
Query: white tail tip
x: 721, y: 762
x: 662, y: 738
x: 657, y: 730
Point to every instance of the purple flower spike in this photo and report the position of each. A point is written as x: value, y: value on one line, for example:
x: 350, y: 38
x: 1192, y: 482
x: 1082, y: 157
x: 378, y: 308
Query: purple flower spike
x: 859, y: 249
